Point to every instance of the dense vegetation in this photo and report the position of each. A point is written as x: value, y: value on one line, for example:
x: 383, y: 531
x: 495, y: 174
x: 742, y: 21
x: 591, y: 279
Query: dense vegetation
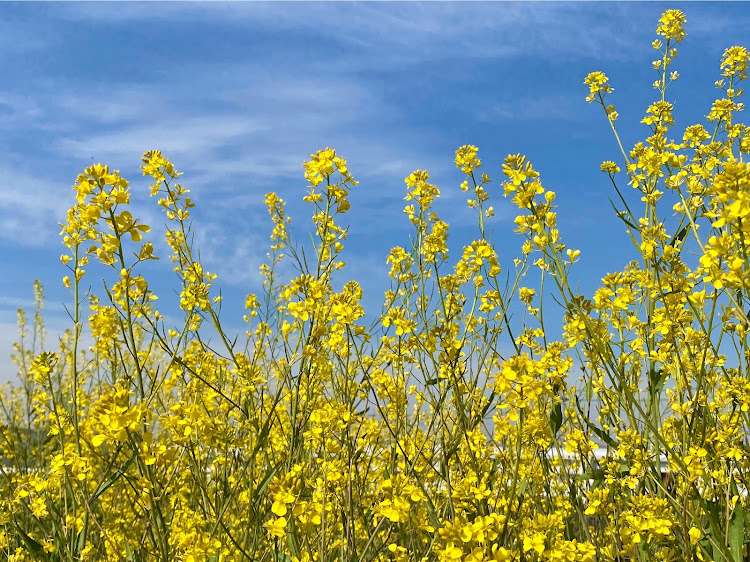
x: 413, y: 438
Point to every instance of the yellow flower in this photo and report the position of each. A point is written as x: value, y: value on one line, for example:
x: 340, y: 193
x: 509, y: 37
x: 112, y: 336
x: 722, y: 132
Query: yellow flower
x: 609, y: 167
x: 466, y: 159
x: 534, y: 541
x: 695, y: 535
x: 276, y: 527
x: 734, y: 63
x: 597, y: 82
x: 671, y: 25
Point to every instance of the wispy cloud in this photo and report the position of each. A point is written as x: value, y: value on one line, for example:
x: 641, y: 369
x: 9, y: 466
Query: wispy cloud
x: 105, y: 106
x: 540, y: 108
x: 185, y: 138
x: 30, y: 207
x: 294, y: 111
x: 15, y: 302
x: 706, y: 23
x: 413, y: 31
x: 23, y: 36
x: 16, y: 109
x: 234, y: 254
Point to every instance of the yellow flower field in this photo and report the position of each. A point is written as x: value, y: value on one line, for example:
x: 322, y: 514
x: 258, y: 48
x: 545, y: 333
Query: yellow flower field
x: 405, y: 435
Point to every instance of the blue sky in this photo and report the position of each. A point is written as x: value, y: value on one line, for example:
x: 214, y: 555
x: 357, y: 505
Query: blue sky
x: 237, y: 95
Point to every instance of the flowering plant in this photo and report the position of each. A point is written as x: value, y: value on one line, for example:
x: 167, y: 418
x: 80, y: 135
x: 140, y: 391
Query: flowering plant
x: 414, y: 438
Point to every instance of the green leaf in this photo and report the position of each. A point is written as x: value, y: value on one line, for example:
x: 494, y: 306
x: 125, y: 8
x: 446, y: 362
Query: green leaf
x: 556, y: 419
x: 714, y: 520
x: 256, y: 495
x: 597, y: 476
x: 680, y: 235
x: 603, y: 435
x: 30, y: 543
x: 657, y: 378
x: 737, y: 532
x: 104, y: 486
x: 81, y: 538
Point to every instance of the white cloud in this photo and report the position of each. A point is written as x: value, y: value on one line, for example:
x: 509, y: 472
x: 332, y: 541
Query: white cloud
x: 235, y: 256
x: 16, y: 302
x: 180, y: 137
x: 31, y: 207
x: 21, y: 37
x: 129, y: 102
x: 532, y: 108
x: 389, y: 34
x: 258, y: 131
x: 16, y: 109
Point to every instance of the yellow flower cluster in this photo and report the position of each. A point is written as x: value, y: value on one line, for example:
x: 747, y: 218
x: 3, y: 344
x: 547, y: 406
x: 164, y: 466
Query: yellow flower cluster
x: 450, y: 428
